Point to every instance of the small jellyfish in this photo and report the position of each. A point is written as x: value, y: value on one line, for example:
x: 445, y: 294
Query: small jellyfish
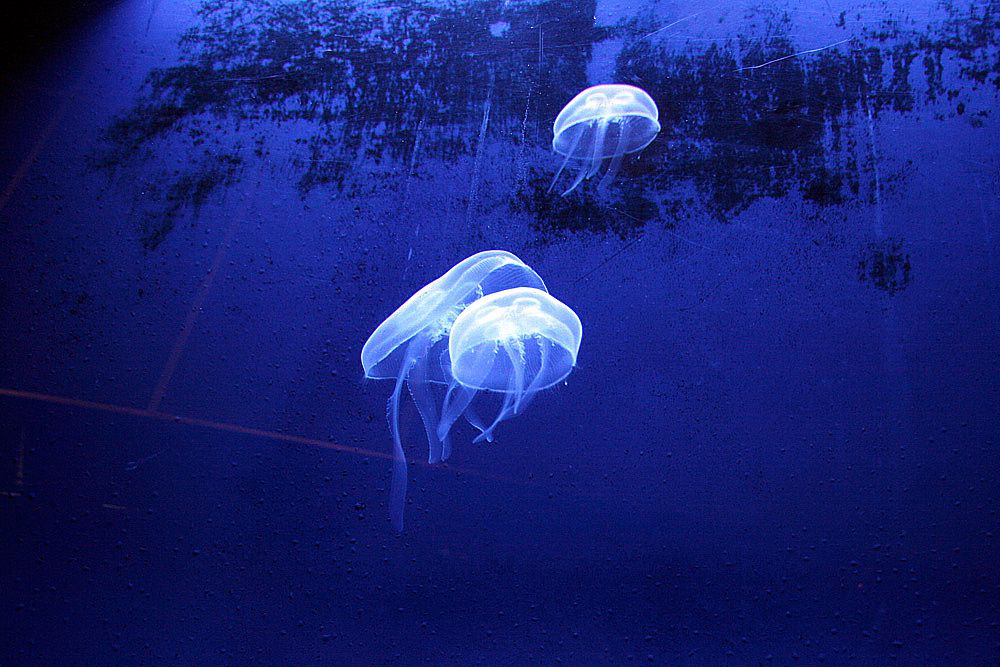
x: 601, y: 122
x: 516, y: 342
x: 411, y: 346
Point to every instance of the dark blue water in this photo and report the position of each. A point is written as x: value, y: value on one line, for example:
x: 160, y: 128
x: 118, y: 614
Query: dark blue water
x: 780, y: 445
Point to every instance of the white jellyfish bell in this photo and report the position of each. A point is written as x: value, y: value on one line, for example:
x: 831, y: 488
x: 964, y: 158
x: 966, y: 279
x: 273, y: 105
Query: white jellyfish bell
x: 516, y: 342
x: 602, y: 123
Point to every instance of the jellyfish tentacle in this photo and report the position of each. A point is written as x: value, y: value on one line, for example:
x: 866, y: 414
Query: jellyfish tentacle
x: 529, y: 393
x: 446, y: 447
x: 443, y: 429
x: 420, y: 391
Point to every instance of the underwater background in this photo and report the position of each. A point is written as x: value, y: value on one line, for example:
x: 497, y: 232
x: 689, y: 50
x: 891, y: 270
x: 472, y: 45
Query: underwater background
x: 781, y: 442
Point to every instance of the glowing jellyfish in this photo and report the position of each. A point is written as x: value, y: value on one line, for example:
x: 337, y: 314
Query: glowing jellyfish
x: 411, y: 345
x: 603, y: 122
x: 516, y: 342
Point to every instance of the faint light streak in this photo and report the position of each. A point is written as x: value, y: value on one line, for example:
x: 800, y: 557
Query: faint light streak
x: 192, y: 317
x: 793, y: 55
x: 36, y: 149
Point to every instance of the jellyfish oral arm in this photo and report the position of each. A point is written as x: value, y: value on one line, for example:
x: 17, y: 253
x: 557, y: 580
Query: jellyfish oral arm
x: 416, y: 352
x: 592, y: 162
x: 516, y: 397
x: 514, y: 347
x: 456, y: 402
x: 616, y: 160
x: 596, y: 156
x: 397, y: 494
x: 569, y: 154
x: 476, y: 421
x: 420, y: 390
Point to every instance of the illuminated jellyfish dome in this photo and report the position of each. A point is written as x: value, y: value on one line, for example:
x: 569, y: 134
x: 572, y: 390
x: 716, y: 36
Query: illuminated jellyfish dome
x: 602, y: 124
x: 516, y: 342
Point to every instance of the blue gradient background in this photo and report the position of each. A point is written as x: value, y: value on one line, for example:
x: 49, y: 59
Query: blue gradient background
x: 780, y: 445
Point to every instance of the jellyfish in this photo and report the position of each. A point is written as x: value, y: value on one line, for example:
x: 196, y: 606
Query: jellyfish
x: 601, y: 122
x: 515, y: 342
x: 411, y: 346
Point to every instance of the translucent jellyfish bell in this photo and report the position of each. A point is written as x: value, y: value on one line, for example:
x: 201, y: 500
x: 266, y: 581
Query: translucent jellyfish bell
x: 411, y: 346
x: 603, y: 122
x: 516, y: 342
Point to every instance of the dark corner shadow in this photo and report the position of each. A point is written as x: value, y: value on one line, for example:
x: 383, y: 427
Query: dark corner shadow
x: 40, y: 27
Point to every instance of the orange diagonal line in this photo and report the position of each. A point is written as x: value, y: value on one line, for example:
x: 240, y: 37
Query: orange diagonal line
x: 191, y: 421
x: 226, y: 426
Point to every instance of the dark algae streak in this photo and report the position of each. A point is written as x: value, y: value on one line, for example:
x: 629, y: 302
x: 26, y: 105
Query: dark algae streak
x: 885, y: 265
x: 739, y: 134
x: 364, y: 79
x: 398, y: 85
